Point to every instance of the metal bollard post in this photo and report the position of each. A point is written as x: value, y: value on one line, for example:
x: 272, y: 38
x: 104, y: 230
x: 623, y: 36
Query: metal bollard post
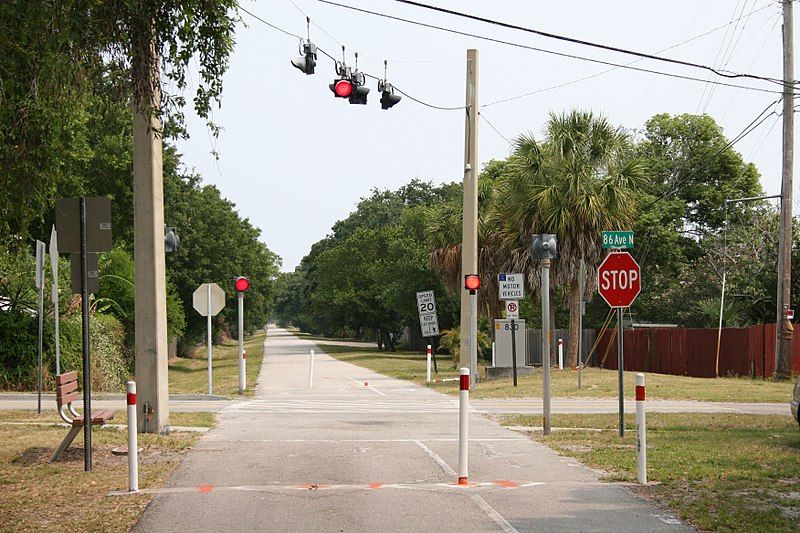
x: 133, y: 440
x: 641, y: 432
x: 428, y: 366
x: 561, y: 354
x: 463, y: 426
x: 311, y: 369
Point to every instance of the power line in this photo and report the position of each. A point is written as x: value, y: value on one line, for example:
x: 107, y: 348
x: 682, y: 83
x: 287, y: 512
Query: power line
x: 552, y: 52
x: 481, y: 115
x: 575, y: 40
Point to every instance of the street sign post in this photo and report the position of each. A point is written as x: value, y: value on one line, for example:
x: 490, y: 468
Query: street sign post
x: 618, y: 239
x: 208, y: 300
x: 619, y: 281
x: 581, y: 311
x: 40, y: 256
x: 54, y: 293
x: 428, y: 320
x: 512, y: 312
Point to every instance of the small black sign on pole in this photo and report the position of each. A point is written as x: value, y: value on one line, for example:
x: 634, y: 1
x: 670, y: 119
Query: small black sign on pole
x: 87, y: 381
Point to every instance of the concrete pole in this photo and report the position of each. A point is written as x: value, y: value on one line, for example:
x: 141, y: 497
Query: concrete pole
x: 473, y: 327
x: 783, y: 331
x: 469, y: 234
x: 148, y: 239
x: 545, y: 263
x: 242, y: 366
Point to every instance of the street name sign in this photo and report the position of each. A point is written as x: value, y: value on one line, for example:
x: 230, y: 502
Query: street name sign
x: 511, y: 286
x: 618, y: 239
x: 619, y: 279
x: 200, y: 299
x: 428, y: 319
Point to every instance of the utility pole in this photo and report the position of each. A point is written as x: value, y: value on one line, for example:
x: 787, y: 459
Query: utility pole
x: 148, y: 240
x: 783, y: 331
x: 469, y: 233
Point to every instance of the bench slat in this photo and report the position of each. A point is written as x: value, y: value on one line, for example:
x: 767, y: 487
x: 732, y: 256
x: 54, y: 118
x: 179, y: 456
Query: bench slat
x: 66, y: 378
x: 98, y: 418
x: 61, y: 390
x: 67, y: 398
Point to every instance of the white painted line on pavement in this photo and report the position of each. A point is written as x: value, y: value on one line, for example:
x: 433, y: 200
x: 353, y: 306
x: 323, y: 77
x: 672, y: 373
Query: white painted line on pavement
x: 367, y: 386
x: 490, y: 511
x: 343, y: 441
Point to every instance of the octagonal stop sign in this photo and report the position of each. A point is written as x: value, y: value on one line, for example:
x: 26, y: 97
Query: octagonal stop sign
x: 619, y: 279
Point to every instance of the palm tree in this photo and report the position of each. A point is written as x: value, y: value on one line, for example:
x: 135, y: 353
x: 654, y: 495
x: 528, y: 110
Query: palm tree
x: 578, y: 181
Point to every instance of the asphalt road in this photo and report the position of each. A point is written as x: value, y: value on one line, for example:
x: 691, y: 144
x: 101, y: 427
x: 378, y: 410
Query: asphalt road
x: 364, y: 452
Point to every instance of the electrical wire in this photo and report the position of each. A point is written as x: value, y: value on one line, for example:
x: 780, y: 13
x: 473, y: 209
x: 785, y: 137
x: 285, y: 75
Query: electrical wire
x: 481, y: 115
x: 601, y: 46
x: 551, y: 52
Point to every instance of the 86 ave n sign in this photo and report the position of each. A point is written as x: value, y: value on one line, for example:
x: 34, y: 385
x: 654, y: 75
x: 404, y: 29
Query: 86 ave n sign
x: 619, y: 279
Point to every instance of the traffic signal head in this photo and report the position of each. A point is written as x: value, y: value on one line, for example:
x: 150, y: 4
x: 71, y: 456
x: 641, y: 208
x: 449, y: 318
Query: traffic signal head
x: 241, y: 284
x: 308, y: 60
x: 388, y: 98
x: 341, y: 88
x: 472, y: 282
x: 171, y: 239
x: 359, y: 94
x: 544, y: 246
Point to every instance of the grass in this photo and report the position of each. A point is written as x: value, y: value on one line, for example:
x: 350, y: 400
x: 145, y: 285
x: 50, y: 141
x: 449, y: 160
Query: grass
x: 190, y: 375
x: 730, y: 472
x: 596, y: 382
x: 200, y: 419
x: 40, y: 496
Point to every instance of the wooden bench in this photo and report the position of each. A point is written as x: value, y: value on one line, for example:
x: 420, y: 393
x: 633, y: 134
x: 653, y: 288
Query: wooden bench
x: 66, y: 393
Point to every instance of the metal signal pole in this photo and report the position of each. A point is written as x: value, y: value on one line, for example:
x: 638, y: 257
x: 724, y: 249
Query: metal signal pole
x: 783, y: 331
x: 469, y: 234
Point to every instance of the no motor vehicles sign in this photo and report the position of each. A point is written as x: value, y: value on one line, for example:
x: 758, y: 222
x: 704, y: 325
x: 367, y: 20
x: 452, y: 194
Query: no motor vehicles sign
x: 619, y: 279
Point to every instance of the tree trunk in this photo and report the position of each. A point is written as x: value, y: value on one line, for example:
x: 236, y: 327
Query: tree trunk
x: 574, y: 316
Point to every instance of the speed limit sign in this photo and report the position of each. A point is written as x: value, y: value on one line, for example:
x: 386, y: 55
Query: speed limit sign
x: 512, y: 309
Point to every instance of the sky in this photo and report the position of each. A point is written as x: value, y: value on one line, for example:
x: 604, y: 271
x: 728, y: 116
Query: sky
x: 294, y: 159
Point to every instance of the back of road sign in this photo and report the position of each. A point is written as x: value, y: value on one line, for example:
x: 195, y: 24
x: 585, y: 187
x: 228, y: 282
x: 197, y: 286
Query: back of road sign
x: 200, y: 299
x: 502, y: 336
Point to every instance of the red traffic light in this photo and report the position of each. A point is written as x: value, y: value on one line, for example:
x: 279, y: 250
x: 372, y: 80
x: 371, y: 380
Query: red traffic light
x: 241, y: 284
x: 343, y: 88
x: 472, y: 282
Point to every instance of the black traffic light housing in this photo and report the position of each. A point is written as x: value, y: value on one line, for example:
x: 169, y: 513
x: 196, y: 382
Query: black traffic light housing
x: 241, y: 283
x: 472, y: 282
x: 308, y: 60
x: 171, y: 240
x: 544, y: 246
x: 359, y: 94
x: 388, y: 98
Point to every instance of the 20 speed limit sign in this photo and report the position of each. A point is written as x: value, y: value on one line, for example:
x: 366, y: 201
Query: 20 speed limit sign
x: 428, y: 319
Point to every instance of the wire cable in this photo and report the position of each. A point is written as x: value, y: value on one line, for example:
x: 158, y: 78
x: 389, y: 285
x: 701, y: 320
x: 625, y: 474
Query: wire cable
x: 481, y: 115
x: 601, y: 46
x: 552, y: 52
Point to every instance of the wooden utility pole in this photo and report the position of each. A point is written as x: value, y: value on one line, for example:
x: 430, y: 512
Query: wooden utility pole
x: 148, y: 241
x: 783, y: 344
x: 469, y: 234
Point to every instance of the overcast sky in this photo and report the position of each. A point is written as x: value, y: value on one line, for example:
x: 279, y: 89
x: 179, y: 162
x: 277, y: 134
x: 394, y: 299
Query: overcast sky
x: 294, y: 159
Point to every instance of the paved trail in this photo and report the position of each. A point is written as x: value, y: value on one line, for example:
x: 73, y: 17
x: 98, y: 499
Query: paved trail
x: 364, y: 452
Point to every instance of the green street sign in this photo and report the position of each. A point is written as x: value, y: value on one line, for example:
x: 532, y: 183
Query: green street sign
x: 618, y: 239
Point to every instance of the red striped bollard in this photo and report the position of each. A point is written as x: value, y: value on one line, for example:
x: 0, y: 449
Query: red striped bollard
x: 641, y: 431
x: 463, y: 425
x: 133, y: 440
x: 428, y: 366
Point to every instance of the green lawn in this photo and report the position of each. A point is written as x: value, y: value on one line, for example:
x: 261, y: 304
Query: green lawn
x: 40, y: 496
x: 190, y: 375
x: 596, y: 383
x: 727, y: 472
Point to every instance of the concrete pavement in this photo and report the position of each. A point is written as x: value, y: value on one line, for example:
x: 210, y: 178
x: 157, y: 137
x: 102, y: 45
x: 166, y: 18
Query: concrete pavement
x: 364, y: 452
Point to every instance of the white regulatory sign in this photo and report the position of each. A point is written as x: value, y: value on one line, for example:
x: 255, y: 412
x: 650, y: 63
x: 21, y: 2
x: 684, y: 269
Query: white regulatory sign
x: 428, y: 320
x: 512, y: 286
x: 512, y: 309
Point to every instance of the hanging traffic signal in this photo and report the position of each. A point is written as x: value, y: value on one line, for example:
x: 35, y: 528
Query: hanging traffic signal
x: 341, y: 88
x: 241, y: 284
x: 472, y: 282
x: 359, y: 93
x: 308, y: 60
x: 388, y: 98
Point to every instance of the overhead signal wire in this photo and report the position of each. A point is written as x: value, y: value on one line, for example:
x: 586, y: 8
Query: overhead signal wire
x: 601, y: 46
x: 543, y: 50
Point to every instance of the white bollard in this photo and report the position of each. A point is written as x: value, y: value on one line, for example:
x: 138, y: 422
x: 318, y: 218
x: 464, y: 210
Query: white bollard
x: 463, y: 426
x: 493, y: 363
x: 311, y: 369
x: 428, y: 366
x: 561, y: 354
x: 641, y: 432
x: 133, y: 440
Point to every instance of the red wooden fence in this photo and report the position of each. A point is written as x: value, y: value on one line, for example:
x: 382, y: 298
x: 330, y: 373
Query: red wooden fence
x: 692, y: 352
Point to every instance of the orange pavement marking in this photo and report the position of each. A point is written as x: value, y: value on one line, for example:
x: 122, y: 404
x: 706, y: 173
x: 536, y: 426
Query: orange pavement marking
x: 204, y: 488
x: 506, y: 483
x: 374, y: 485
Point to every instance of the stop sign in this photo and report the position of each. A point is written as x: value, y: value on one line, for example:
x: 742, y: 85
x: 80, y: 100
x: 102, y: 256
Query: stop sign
x: 619, y: 279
